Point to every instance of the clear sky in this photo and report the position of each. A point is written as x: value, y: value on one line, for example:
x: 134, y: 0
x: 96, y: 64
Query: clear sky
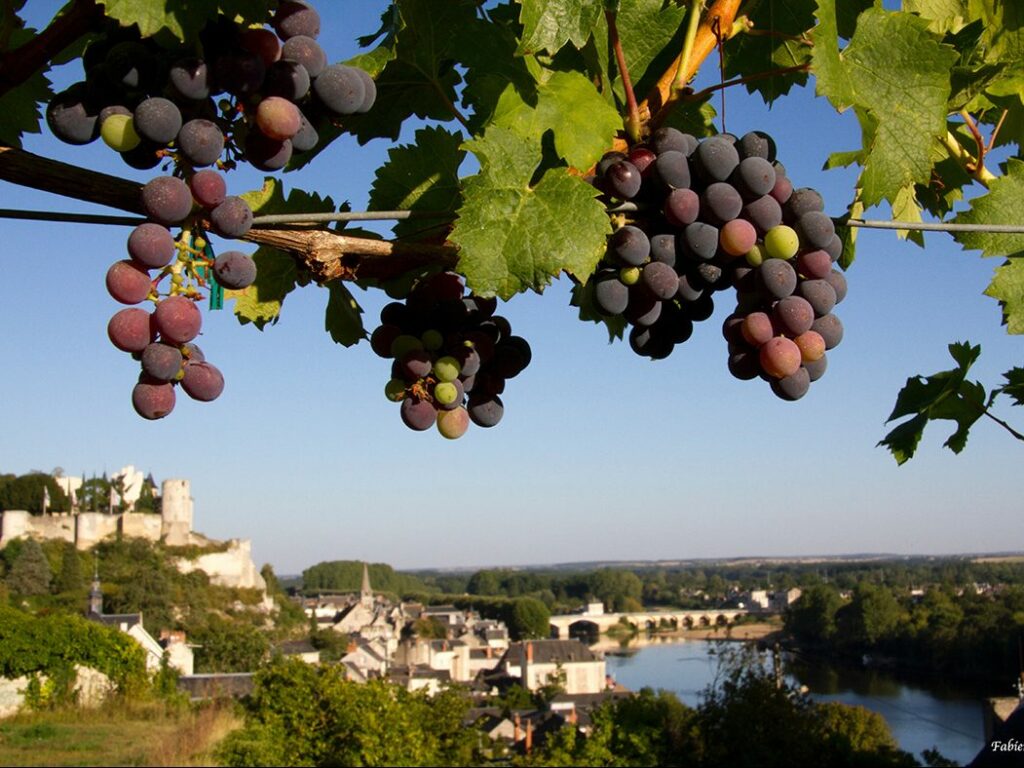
x: 600, y: 455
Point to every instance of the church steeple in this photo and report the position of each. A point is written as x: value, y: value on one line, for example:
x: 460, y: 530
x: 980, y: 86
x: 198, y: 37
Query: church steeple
x: 365, y: 591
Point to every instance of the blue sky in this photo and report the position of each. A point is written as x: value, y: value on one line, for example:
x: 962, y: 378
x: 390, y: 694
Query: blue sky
x: 601, y: 454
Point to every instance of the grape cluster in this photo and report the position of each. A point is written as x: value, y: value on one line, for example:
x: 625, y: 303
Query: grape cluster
x: 252, y: 95
x: 713, y: 214
x: 452, y: 356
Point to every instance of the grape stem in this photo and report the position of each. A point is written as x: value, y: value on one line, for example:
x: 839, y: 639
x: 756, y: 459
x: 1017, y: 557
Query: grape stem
x: 632, y: 122
x: 977, y: 171
x: 1001, y: 423
x: 693, y: 22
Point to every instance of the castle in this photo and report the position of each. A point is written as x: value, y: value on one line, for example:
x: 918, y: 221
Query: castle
x: 229, y: 566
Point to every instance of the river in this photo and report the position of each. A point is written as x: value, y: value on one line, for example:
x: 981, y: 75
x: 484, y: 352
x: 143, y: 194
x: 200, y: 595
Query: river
x: 920, y: 716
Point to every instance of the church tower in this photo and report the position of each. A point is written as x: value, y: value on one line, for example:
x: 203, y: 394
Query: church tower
x: 365, y: 592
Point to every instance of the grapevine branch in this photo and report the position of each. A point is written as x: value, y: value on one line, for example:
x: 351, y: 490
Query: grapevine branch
x: 20, y: 64
x: 328, y: 255
x: 633, y: 112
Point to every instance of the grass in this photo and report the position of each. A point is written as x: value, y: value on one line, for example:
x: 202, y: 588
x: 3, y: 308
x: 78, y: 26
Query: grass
x: 118, y: 734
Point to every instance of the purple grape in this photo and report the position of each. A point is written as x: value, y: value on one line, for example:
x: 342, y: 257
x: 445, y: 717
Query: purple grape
x: 157, y: 119
x: 672, y: 170
x: 777, y: 278
x: 622, y: 180
x: 131, y: 329
x: 296, y: 18
x: 717, y: 158
x: 153, y: 399
x: 830, y: 329
x: 819, y: 293
x: 756, y: 144
x: 235, y: 270
x: 167, y: 200
x: 151, y: 245
x: 754, y: 177
x: 418, y: 414
x: 202, y: 381
x: 190, y: 79
x: 177, y: 319
x: 71, y: 117
x: 232, y: 218
x: 721, y: 202
x: 682, y: 206
x: 485, y: 411
x: 610, y: 295
x: 128, y: 282
x: 287, y: 79
x: 161, y: 361
x: 307, y: 52
x: 630, y: 245
x: 663, y: 249
x: 240, y: 73
x: 660, y: 279
x: 208, y: 188
x: 340, y: 88
x: 671, y: 139
x: 267, y: 154
x: 838, y: 282
x: 201, y: 141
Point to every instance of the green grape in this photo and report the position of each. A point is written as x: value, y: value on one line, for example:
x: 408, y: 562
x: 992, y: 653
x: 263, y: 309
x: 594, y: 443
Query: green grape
x: 446, y: 393
x: 781, y: 242
x: 755, y: 255
x: 394, y: 390
x: 403, y: 345
x: 432, y: 340
x: 118, y: 133
x: 629, y: 275
x: 447, y: 368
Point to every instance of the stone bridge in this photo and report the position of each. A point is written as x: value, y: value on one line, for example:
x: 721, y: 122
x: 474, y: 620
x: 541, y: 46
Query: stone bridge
x: 561, y: 626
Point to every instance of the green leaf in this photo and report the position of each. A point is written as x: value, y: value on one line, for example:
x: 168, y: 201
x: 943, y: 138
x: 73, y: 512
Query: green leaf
x: 647, y: 31
x: 19, y: 106
x: 906, y: 208
x: 944, y: 395
x: 583, y: 298
x: 1014, y: 386
x: 513, y: 236
x: 831, y: 78
x: 903, y: 440
x: 423, y: 176
x: 260, y: 303
x: 183, y: 19
x: 942, y: 15
x: 849, y: 234
x: 561, y: 98
x: 488, y: 52
x: 900, y: 75
x: 1007, y: 287
x: 755, y: 54
x: 1000, y: 205
x: 549, y: 24
x: 695, y: 118
x: 277, y: 273
x: 343, y: 319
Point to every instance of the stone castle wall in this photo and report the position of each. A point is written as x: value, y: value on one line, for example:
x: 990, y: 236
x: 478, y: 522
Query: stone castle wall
x: 231, y: 568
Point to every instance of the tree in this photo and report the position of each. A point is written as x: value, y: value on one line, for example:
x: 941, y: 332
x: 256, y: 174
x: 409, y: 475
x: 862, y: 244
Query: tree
x: 29, y: 491
x: 70, y: 578
x: 812, y: 618
x: 30, y: 573
x: 871, y: 617
x: 529, y: 618
x: 538, y: 92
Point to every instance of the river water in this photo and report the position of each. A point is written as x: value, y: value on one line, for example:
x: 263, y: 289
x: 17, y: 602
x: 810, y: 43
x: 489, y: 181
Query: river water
x: 921, y: 716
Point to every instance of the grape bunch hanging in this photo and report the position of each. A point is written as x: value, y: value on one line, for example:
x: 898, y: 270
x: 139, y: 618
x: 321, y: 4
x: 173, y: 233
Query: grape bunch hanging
x: 713, y: 214
x: 251, y: 95
x: 451, y: 356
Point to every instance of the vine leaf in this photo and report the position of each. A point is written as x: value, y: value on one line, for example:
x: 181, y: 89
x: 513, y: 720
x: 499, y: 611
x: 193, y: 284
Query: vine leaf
x: 1007, y: 287
x: 19, y: 106
x: 515, y: 236
x: 750, y: 54
x: 549, y: 24
x: 944, y: 395
x: 277, y: 274
x: 895, y: 73
x: 561, y: 98
x: 1014, y: 386
x: 423, y: 176
x: 343, y: 319
x: 182, y: 19
x: 1000, y: 205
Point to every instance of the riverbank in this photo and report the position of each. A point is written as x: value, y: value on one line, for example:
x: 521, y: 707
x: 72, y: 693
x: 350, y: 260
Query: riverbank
x: 764, y: 631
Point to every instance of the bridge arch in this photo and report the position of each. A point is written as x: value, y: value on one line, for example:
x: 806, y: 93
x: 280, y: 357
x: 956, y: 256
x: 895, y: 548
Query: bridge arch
x: 583, y: 628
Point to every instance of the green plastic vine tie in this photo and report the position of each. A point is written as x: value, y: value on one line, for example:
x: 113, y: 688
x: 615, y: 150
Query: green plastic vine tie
x: 216, y: 289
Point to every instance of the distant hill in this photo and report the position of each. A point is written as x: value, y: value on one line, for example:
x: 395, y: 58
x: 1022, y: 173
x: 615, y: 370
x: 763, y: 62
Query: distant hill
x: 347, y: 576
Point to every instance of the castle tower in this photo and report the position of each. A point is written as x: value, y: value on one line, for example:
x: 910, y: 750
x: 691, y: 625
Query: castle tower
x: 365, y: 592
x: 176, y: 513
